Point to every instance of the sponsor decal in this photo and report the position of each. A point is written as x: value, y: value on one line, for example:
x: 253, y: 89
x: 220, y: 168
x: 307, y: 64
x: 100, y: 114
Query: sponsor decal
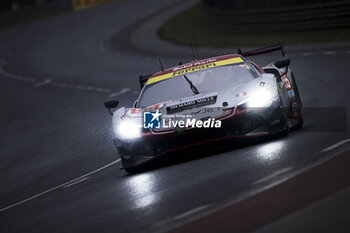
x: 192, y: 103
x: 137, y: 112
x: 192, y: 68
x: 197, y: 63
x: 195, y: 68
x: 244, y: 93
x: 133, y: 113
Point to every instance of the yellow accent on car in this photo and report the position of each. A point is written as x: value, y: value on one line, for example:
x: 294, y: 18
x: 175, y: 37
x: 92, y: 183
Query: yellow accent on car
x: 159, y: 78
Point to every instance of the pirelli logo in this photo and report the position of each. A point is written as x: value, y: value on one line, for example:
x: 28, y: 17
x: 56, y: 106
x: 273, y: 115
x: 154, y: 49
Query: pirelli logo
x: 235, y: 60
x: 196, y: 68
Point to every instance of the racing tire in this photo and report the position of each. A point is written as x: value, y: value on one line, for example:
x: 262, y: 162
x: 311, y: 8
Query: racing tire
x: 132, y: 170
x: 300, y: 105
x: 283, y: 120
x: 285, y: 131
x: 279, y: 114
x: 296, y: 91
x: 300, y: 124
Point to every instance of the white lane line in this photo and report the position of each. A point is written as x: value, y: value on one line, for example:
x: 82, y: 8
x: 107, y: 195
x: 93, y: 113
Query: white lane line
x: 336, y: 145
x: 329, y: 53
x: 59, y: 186
x: 102, y: 89
x: 306, y: 54
x: 76, y: 182
x: 56, y: 84
x: 16, y: 77
x: 60, y: 85
x: 43, y: 83
x: 122, y: 91
x: 181, y: 216
x: 190, y: 212
x: 274, y: 174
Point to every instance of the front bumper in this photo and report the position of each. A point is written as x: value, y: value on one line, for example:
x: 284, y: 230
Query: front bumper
x: 244, y: 124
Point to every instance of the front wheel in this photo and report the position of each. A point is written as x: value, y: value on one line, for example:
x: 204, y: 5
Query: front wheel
x: 278, y: 123
x: 283, y: 119
x: 132, y: 170
x: 284, y: 122
x: 299, y: 103
x: 300, y: 123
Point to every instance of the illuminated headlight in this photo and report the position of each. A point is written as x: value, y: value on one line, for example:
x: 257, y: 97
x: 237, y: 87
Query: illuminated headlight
x: 128, y: 130
x: 259, y: 99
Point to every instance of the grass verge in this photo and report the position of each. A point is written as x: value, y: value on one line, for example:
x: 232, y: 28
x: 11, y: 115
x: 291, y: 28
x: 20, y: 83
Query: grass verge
x: 179, y: 28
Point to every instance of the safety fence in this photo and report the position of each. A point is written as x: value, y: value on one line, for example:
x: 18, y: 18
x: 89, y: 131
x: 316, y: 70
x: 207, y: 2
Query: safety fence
x: 320, y: 16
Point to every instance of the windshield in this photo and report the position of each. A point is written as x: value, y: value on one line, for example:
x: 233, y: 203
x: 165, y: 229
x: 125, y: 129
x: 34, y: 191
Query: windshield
x: 209, y: 80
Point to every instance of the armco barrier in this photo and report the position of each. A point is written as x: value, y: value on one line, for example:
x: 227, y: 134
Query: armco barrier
x: 321, y: 16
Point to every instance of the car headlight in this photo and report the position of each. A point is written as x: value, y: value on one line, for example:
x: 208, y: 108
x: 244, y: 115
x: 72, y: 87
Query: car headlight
x: 128, y: 130
x: 259, y: 99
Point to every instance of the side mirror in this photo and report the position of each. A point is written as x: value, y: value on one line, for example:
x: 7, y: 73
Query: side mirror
x: 282, y: 63
x: 111, y: 104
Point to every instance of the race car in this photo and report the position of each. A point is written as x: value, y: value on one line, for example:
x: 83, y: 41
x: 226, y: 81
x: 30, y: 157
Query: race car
x: 192, y: 105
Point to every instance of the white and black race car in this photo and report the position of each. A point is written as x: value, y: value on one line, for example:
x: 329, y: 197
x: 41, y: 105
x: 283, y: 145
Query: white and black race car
x: 193, y: 105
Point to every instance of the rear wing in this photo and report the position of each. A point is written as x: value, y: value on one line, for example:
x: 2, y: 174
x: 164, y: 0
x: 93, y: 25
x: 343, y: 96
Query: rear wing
x: 263, y: 50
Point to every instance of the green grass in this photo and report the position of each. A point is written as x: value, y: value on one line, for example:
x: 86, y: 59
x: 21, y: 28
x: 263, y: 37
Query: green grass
x: 179, y: 28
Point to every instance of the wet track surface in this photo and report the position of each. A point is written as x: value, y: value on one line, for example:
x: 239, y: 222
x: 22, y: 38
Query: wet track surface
x: 55, y: 75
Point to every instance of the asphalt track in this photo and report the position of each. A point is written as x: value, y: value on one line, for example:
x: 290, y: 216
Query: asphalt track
x: 59, y: 170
